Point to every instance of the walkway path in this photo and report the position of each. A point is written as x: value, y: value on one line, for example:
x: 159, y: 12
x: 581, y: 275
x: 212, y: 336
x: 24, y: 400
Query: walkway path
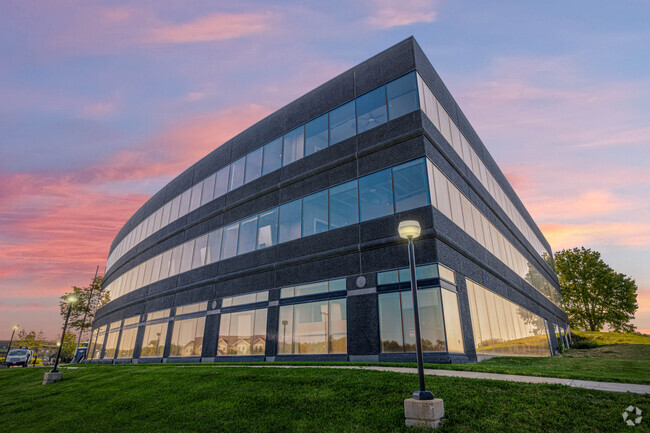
x: 574, y: 383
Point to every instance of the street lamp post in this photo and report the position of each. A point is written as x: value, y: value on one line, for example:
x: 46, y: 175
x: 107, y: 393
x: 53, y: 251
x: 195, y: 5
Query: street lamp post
x: 422, y: 410
x: 13, y: 327
x: 411, y: 230
x: 71, y: 299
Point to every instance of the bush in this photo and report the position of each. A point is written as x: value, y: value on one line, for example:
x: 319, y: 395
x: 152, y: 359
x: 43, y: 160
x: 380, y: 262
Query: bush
x: 584, y: 344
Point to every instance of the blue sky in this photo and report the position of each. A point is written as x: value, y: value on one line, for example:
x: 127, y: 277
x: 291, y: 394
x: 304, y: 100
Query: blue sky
x: 105, y: 102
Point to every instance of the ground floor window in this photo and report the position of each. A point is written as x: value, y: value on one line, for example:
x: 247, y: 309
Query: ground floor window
x: 98, y: 343
x: 111, y: 340
x: 397, y: 325
x: 153, y: 343
x: 313, y: 328
x: 127, y: 343
x: 504, y: 328
x: 91, y: 344
x: 242, y: 333
x: 187, y: 337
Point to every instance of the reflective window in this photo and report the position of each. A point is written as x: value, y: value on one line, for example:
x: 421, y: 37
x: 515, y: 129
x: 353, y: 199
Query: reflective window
x: 396, y: 323
x: 343, y: 205
x: 175, y: 263
x: 191, y: 308
x: 447, y: 274
x: 315, y: 327
x: 254, y: 165
x: 247, y: 235
x: 214, y: 247
x: 242, y: 333
x: 342, y: 123
x: 452, y: 321
x: 272, y: 156
x: 504, y: 328
x: 153, y: 343
x: 229, y: 243
x: 127, y: 343
x: 164, y: 264
x: 221, y: 183
x: 165, y: 214
x: 195, y: 202
x: 187, y: 337
x: 186, y: 197
x: 207, y: 193
x: 200, y: 251
x: 237, y: 169
x: 316, y: 136
x: 267, y: 232
x: 314, y: 213
x: 371, y: 109
x: 294, y: 145
x: 248, y: 298
x: 410, y: 185
x: 290, y: 216
x: 402, y: 96
x: 313, y: 288
x: 176, y: 205
x: 186, y: 258
x: 375, y: 195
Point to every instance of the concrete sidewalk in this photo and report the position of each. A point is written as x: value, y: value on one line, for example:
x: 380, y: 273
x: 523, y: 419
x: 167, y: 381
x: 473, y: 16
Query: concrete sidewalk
x: 586, y: 384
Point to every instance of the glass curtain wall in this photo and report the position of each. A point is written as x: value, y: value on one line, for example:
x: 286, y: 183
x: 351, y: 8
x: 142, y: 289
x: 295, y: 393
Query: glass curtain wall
x: 111, y: 340
x: 387, y: 102
x: 313, y: 328
x: 397, y: 325
x: 447, y: 127
x: 99, y: 342
x: 242, y: 333
x: 127, y: 341
x: 187, y: 337
x: 447, y: 198
x: 382, y: 193
x: 504, y: 328
x: 155, y: 334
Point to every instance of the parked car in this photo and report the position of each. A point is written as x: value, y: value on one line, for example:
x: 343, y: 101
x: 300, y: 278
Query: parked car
x: 19, y: 357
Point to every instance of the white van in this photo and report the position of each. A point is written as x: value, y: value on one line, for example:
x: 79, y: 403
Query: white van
x: 18, y: 357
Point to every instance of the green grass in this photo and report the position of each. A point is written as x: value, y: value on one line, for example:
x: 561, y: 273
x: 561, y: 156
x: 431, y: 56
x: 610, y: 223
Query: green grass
x: 209, y: 398
x: 615, y: 362
x: 607, y: 338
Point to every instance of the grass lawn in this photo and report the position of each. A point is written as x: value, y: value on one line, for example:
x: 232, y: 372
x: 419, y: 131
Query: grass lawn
x: 198, y: 398
x: 614, y: 362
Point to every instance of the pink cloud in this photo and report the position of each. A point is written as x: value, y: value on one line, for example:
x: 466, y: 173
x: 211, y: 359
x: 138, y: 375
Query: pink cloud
x: 55, y: 228
x: 632, y: 235
x: 395, y: 13
x: 214, y: 27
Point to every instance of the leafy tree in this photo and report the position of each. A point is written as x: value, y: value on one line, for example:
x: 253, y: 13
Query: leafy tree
x: 89, y: 300
x: 69, y: 346
x: 32, y: 339
x: 594, y: 294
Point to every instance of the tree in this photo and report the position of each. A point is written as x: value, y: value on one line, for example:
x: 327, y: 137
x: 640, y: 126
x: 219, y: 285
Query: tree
x: 89, y: 300
x: 32, y: 339
x: 69, y: 346
x: 594, y: 294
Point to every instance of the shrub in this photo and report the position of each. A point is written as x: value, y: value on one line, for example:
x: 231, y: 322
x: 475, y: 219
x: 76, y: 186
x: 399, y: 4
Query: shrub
x: 584, y: 344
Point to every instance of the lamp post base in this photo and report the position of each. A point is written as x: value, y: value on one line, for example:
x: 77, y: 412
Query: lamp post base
x: 422, y: 395
x: 51, y: 377
x: 424, y: 413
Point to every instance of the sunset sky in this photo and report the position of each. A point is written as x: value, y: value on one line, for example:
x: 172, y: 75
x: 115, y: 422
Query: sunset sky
x: 103, y: 103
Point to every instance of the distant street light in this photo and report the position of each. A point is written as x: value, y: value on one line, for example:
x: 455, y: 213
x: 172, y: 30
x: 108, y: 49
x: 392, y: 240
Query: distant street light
x: 13, y: 327
x: 411, y: 230
x: 71, y: 299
